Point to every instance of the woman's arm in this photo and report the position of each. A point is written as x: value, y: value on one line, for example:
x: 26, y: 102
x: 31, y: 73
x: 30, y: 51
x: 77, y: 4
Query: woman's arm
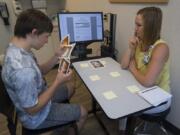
x: 160, y: 55
x: 126, y: 58
x: 129, y: 54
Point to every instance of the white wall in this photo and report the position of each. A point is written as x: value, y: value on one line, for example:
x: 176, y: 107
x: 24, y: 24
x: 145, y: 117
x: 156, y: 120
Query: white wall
x: 6, y: 31
x: 53, y: 6
x: 125, y: 25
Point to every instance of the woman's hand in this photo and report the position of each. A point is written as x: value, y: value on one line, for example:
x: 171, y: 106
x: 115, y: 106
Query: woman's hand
x: 133, y: 42
x: 130, y: 52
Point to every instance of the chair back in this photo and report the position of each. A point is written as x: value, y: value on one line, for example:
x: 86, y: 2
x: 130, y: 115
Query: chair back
x: 7, y: 108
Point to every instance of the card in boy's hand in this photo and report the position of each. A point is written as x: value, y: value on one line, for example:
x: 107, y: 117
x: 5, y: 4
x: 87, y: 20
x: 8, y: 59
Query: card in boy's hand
x: 64, y: 65
x: 68, y: 50
x: 65, y: 41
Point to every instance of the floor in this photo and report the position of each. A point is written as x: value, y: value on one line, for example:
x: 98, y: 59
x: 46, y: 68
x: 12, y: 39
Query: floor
x: 91, y: 127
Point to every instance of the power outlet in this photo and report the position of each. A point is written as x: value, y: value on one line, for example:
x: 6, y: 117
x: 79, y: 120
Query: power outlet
x: 17, y: 7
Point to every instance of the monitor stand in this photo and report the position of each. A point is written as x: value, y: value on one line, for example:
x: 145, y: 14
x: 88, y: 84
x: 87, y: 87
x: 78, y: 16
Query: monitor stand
x: 81, y: 50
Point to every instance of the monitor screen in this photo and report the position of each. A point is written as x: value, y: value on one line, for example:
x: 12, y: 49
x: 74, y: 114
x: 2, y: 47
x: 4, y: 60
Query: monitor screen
x: 81, y: 26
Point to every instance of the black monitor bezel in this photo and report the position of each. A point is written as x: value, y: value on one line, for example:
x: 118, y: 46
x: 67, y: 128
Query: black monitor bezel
x: 87, y: 41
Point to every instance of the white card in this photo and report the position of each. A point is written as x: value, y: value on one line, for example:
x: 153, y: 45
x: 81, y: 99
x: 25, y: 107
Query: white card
x: 94, y: 77
x: 114, y: 74
x: 133, y: 88
x: 84, y: 65
x: 109, y: 95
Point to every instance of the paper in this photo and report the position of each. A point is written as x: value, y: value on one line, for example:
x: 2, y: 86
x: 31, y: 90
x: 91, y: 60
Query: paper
x: 94, y: 77
x: 114, y: 74
x: 84, y: 65
x: 68, y: 50
x: 65, y: 40
x: 109, y: 95
x: 67, y: 46
x: 155, y: 95
x: 64, y: 65
x: 133, y: 88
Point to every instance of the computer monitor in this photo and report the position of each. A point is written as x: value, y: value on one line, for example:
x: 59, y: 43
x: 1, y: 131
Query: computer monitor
x: 82, y: 27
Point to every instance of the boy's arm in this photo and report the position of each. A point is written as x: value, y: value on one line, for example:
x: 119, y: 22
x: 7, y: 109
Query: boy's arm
x: 47, y: 66
x: 47, y: 94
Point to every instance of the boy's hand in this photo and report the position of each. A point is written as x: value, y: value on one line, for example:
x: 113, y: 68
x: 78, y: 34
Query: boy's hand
x: 60, y: 50
x: 63, y: 76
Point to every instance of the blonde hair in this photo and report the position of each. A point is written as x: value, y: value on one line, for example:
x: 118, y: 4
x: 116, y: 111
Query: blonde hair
x: 152, y: 21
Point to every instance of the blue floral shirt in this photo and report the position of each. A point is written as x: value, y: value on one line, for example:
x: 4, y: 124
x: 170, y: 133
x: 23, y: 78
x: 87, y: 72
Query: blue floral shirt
x: 24, y: 83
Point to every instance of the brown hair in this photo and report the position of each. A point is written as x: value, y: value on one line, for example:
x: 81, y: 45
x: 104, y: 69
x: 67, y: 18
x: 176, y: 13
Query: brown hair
x: 152, y: 19
x: 32, y: 19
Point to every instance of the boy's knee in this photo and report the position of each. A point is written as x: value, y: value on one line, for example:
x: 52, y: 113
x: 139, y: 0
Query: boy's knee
x: 71, y: 91
x: 84, y: 113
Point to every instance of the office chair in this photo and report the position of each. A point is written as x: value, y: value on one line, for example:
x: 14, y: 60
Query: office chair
x: 153, y: 118
x: 7, y: 108
x: 26, y: 131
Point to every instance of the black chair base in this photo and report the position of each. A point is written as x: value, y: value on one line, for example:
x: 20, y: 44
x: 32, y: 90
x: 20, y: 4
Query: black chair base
x: 154, y: 118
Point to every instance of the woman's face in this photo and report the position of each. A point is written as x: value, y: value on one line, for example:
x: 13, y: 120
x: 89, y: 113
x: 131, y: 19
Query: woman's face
x: 139, y: 26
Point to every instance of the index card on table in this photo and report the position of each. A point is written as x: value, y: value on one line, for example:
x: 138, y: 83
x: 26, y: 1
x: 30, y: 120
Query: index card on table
x: 115, y: 74
x: 133, y: 88
x: 94, y: 77
x: 109, y: 95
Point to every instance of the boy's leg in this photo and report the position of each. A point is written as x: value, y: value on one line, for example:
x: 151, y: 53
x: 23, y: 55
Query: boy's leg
x: 61, y: 114
x: 71, y: 89
x: 61, y: 95
x: 82, y: 118
x: 64, y: 113
x: 64, y: 92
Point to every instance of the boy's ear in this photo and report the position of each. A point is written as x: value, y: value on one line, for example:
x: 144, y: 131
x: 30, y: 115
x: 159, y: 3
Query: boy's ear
x: 34, y: 32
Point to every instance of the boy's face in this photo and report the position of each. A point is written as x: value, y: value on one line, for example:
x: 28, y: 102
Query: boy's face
x: 40, y: 40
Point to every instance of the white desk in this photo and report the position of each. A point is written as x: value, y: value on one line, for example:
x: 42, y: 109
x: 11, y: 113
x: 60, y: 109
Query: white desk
x: 126, y: 102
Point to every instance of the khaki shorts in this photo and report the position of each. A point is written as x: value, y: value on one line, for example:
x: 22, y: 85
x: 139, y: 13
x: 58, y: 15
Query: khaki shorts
x: 61, y: 113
